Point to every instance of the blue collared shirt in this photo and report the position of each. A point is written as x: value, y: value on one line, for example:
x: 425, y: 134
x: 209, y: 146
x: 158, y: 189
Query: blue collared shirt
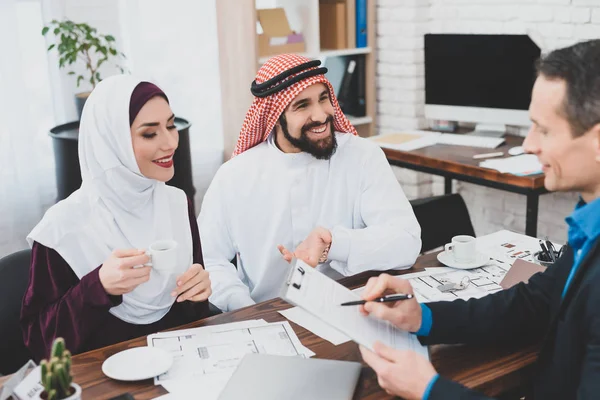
x: 584, y: 230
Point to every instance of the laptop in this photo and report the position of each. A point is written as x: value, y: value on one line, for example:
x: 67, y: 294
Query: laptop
x: 269, y: 377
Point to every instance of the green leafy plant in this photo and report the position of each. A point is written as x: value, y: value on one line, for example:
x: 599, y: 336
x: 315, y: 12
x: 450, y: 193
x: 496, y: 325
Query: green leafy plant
x: 56, y: 373
x: 82, y: 42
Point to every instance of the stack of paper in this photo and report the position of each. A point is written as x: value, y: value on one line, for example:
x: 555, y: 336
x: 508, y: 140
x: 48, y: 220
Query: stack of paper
x: 321, y: 297
x: 526, y: 164
x: 204, y: 358
x: 470, y: 140
x: 406, y: 141
x: 317, y: 326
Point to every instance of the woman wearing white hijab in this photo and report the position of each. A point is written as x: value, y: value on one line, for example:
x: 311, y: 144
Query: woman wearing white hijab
x: 88, y: 282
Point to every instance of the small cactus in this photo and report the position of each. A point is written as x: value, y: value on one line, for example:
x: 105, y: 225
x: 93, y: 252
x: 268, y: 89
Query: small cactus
x: 56, y: 373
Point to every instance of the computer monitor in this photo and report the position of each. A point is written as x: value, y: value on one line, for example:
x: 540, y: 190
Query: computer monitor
x: 485, y: 79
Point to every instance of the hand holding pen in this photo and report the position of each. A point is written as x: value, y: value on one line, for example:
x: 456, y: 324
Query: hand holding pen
x: 385, y: 299
x: 404, y: 314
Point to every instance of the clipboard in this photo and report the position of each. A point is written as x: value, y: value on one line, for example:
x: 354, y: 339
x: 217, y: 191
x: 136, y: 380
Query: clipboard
x: 321, y: 296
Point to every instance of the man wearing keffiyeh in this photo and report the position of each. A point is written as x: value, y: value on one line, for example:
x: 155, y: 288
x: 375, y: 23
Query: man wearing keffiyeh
x: 301, y: 183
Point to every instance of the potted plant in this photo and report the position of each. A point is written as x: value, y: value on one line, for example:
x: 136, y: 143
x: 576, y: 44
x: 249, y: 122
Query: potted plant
x: 81, y: 42
x: 56, y: 375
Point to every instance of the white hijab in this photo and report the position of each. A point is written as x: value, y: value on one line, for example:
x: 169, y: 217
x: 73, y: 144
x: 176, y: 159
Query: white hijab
x: 117, y: 207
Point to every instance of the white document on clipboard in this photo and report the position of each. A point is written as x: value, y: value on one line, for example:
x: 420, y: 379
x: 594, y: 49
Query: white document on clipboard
x: 321, y: 296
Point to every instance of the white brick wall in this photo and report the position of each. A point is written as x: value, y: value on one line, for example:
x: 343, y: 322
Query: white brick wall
x: 402, y: 23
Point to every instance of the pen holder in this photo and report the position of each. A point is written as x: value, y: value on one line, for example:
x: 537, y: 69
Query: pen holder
x: 542, y: 259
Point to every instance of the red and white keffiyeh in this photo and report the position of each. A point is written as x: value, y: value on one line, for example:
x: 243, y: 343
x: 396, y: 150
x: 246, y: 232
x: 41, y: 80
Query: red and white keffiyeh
x: 265, y: 111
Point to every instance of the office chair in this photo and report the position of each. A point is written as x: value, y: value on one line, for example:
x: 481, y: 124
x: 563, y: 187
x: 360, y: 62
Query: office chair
x: 441, y: 218
x: 14, y: 277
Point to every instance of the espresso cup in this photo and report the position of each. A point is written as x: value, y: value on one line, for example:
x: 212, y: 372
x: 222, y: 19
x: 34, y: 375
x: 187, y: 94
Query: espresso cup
x: 163, y: 255
x: 462, y: 248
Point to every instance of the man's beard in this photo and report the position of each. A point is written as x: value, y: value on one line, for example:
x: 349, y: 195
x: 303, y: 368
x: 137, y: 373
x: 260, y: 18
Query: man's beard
x: 321, y: 149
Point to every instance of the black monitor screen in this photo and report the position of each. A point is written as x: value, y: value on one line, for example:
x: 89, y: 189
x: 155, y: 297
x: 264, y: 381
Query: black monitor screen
x: 494, y: 71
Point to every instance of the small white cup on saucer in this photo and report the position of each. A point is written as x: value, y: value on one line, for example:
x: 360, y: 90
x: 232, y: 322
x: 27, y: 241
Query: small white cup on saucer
x: 163, y: 255
x: 462, y: 249
x: 462, y: 254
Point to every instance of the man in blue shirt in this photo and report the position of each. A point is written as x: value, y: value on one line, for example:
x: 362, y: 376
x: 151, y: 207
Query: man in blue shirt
x: 561, y: 306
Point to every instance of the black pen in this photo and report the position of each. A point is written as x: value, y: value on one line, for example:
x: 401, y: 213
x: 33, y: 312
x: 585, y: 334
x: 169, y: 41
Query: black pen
x: 384, y: 299
x: 545, y: 250
x: 551, y: 250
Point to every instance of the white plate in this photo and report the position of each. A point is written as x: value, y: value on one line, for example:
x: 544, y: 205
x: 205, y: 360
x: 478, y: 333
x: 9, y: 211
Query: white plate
x: 448, y: 260
x: 137, y: 364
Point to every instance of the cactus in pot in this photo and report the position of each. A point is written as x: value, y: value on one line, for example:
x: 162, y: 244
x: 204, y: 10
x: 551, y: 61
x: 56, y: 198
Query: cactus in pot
x: 56, y: 374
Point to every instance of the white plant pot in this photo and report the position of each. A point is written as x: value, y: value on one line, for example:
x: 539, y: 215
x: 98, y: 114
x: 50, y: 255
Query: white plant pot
x: 74, y: 396
x: 77, y: 394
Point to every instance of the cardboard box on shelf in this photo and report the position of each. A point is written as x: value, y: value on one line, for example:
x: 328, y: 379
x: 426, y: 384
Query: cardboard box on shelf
x: 277, y: 37
x: 332, y: 25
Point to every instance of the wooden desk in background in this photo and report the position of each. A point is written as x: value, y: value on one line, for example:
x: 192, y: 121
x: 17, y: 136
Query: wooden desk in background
x: 490, y: 370
x: 456, y: 162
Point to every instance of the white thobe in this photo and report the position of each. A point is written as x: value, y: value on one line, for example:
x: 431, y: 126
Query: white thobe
x: 265, y: 197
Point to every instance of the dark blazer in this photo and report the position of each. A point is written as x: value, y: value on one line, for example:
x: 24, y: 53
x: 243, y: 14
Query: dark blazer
x: 568, y: 366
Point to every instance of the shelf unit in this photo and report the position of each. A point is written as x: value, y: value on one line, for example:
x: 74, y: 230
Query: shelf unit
x: 329, y: 53
x: 239, y: 60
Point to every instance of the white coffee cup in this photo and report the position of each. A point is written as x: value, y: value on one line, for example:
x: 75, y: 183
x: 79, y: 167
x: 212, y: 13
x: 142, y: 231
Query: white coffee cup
x: 163, y: 255
x: 462, y: 248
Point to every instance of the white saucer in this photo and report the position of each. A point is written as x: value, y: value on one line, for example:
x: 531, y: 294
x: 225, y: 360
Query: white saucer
x: 137, y: 364
x: 448, y: 260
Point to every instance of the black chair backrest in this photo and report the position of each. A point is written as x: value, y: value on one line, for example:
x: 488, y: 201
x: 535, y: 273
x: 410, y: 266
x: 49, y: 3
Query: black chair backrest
x: 441, y: 218
x: 14, y: 277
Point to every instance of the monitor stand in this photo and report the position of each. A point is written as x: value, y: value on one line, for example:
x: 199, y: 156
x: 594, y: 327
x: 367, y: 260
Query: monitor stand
x: 487, y: 130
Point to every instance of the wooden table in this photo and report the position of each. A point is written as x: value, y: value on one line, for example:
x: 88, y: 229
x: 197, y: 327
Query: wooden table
x: 456, y: 162
x: 490, y: 370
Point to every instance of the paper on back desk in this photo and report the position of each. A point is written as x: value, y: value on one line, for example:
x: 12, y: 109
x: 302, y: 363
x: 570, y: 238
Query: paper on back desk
x: 406, y: 141
x: 525, y: 164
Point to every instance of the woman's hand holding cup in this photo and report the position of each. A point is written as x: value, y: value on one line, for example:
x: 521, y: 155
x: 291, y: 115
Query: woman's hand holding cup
x: 124, y: 270
x: 193, y: 285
